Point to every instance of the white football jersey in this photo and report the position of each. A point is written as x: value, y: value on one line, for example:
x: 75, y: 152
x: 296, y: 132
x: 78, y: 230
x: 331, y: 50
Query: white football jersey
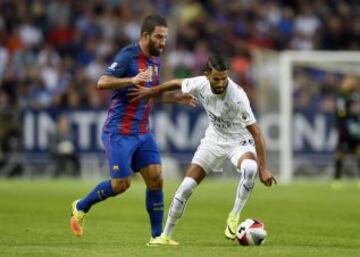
x: 229, y: 113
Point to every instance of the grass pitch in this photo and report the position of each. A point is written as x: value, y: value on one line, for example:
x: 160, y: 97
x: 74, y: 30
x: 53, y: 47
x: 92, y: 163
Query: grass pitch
x: 302, y: 219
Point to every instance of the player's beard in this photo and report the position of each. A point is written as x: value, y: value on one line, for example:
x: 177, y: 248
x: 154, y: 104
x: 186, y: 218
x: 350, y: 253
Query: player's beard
x: 219, y: 90
x: 152, y: 49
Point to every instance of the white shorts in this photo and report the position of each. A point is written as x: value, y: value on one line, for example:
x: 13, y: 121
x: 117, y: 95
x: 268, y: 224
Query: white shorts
x: 211, y: 155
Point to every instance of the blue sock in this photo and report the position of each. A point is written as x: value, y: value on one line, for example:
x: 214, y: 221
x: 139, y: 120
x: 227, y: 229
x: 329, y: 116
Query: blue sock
x: 101, y: 192
x: 155, y: 208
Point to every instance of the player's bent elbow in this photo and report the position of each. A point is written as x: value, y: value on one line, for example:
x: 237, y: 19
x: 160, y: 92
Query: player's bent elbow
x: 101, y: 84
x: 254, y: 131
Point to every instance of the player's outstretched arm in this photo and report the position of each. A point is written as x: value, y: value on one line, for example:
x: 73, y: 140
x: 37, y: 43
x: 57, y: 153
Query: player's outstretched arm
x: 265, y: 175
x: 112, y: 82
x: 138, y: 92
x: 178, y: 98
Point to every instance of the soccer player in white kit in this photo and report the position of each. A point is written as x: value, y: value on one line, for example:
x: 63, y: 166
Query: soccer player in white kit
x: 232, y: 134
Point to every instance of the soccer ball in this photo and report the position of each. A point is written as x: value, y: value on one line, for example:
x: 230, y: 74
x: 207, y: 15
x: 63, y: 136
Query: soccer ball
x: 251, y: 232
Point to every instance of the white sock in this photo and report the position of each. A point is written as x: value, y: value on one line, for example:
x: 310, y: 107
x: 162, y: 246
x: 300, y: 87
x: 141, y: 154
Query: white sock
x: 178, y: 204
x: 249, y: 169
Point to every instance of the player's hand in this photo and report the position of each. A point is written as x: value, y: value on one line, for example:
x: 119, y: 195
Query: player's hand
x: 186, y: 99
x: 267, y: 178
x: 138, y: 92
x: 142, y: 76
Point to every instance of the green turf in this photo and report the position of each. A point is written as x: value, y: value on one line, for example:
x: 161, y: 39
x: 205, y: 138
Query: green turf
x: 302, y: 219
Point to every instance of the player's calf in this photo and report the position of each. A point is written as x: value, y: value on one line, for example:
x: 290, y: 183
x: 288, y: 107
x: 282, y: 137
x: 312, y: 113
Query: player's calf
x: 181, y: 197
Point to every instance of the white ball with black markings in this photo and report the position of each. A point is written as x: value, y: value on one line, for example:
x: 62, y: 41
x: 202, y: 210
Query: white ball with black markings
x: 251, y: 232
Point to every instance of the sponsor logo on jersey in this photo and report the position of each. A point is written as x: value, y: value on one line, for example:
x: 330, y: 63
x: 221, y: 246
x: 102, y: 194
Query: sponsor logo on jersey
x: 113, y: 66
x: 219, y: 122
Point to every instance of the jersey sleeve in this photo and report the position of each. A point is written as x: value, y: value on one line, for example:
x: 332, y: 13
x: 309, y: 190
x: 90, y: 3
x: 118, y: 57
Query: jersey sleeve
x: 120, y: 65
x: 191, y: 86
x: 247, y: 116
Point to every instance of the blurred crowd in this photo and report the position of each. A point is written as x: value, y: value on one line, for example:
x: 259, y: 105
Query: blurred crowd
x: 53, y: 51
x: 316, y: 90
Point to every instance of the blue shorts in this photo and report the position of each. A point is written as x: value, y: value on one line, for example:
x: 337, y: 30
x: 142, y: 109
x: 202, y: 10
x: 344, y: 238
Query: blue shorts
x: 126, y: 154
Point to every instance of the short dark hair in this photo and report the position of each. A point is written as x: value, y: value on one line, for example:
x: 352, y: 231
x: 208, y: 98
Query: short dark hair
x: 217, y: 62
x: 151, y: 21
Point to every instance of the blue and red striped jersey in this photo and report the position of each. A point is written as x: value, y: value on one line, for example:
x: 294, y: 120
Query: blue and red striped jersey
x: 124, y: 117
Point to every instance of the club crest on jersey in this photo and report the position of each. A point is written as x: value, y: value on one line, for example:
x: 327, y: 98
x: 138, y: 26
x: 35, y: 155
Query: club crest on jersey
x: 116, y: 168
x: 245, y: 116
x: 141, y: 67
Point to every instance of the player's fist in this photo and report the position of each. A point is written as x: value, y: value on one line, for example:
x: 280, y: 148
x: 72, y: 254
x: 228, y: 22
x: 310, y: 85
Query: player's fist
x: 266, y: 177
x: 142, y: 76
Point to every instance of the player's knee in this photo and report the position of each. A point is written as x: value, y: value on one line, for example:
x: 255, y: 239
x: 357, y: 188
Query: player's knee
x: 155, y: 183
x: 120, y: 185
x: 250, y: 168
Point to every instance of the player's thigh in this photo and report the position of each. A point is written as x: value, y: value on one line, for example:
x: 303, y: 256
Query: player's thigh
x: 146, y: 154
x: 119, y: 152
x: 147, y: 161
x: 196, y: 172
x: 209, y: 156
x: 240, y: 153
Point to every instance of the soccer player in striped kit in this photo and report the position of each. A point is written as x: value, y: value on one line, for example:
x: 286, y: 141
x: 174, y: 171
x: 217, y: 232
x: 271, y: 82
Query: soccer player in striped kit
x: 129, y: 144
x: 232, y: 134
